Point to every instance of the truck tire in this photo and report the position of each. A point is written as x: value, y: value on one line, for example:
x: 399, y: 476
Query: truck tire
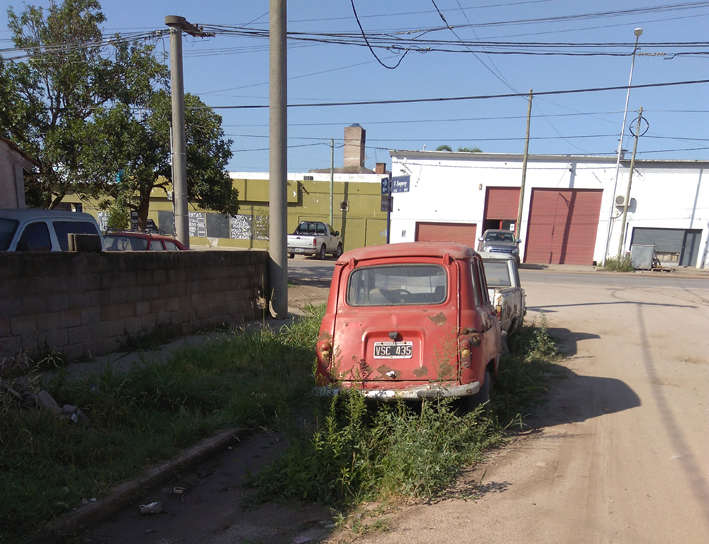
x: 321, y: 255
x: 291, y: 255
x: 338, y: 252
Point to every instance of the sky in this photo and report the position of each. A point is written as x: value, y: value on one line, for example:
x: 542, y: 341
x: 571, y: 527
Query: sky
x: 451, y: 49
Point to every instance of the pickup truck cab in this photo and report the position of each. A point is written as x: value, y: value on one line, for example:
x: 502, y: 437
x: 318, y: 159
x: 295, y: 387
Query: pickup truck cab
x: 43, y: 230
x: 505, y: 290
x: 314, y: 238
x: 409, y: 321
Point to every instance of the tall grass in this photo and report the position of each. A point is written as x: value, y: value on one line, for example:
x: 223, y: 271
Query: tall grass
x: 138, y: 418
x: 358, y: 451
x: 624, y: 264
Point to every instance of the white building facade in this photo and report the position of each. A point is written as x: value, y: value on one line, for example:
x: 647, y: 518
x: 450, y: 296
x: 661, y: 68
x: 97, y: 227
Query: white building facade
x: 569, y: 204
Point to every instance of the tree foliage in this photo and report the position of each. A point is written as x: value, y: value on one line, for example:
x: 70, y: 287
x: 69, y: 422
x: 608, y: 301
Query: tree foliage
x: 86, y: 108
x: 446, y: 147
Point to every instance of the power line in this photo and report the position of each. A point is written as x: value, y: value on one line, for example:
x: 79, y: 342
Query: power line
x: 462, y: 98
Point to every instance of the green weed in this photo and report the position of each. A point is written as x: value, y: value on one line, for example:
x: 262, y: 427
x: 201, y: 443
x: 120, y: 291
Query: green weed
x: 624, y: 264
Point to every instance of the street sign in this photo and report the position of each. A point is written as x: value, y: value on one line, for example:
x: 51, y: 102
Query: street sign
x: 400, y: 184
x: 385, y: 186
x: 387, y: 203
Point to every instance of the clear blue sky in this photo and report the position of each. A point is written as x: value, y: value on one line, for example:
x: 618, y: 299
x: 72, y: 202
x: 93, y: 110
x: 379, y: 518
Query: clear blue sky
x: 229, y: 70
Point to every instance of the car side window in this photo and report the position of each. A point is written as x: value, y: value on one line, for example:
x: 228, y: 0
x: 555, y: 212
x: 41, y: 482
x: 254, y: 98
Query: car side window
x: 156, y: 245
x: 476, y: 284
x: 483, y: 283
x: 171, y: 246
x: 320, y: 228
x: 35, y: 237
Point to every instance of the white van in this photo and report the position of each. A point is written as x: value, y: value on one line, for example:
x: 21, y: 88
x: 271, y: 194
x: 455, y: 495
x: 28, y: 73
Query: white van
x: 43, y: 230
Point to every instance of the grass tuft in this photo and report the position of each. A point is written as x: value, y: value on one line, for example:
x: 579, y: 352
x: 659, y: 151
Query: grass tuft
x: 624, y: 264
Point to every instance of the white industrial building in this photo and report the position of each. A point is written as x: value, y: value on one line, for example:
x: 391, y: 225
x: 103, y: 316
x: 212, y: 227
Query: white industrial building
x: 569, y: 202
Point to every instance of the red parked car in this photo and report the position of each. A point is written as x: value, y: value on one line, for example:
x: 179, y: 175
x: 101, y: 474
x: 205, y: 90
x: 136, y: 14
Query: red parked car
x: 140, y: 241
x: 410, y: 321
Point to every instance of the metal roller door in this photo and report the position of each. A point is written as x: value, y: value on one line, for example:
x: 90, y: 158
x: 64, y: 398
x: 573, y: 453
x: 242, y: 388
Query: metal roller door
x: 563, y: 224
x: 501, y: 203
x: 463, y: 233
x: 677, y: 246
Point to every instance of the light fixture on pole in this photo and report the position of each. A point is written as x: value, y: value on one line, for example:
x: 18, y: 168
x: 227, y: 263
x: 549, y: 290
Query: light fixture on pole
x: 638, y: 32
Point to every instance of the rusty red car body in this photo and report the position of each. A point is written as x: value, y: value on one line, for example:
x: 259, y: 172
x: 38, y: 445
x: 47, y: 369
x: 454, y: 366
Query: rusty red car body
x: 409, y: 321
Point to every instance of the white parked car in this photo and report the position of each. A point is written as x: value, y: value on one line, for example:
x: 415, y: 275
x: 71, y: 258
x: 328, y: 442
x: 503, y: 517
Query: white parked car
x: 505, y: 290
x: 43, y: 230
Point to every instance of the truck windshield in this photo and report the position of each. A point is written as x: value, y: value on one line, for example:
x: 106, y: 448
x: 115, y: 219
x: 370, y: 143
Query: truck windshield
x: 307, y: 227
x: 398, y: 285
x: 7, y: 231
x: 497, y: 274
x: 500, y: 237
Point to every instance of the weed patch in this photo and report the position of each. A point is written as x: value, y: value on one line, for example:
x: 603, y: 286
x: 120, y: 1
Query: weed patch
x: 624, y: 264
x: 142, y: 417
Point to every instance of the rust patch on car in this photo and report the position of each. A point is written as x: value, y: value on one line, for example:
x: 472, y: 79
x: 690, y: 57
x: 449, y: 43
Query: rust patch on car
x: 390, y: 373
x: 420, y: 372
x: 438, y: 319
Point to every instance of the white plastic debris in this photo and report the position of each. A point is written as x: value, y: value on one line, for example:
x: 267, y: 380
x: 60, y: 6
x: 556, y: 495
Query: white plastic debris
x: 152, y: 508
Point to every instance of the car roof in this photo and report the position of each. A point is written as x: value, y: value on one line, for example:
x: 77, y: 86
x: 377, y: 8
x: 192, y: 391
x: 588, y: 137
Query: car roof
x: 25, y: 214
x: 409, y: 249
x: 144, y: 235
x: 488, y: 256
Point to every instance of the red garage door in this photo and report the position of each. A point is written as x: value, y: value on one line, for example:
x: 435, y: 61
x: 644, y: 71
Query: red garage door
x: 463, y: 233
x: 562, y: 226
x: 501, y: 203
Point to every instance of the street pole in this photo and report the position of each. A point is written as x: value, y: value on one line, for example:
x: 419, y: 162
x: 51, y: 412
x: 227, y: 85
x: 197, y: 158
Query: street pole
x: 332, y: 174
x: 518, y: 225
x: 630, y: 182
x: 278, y: 167
x: 177, y: 25
x: 638, y: 32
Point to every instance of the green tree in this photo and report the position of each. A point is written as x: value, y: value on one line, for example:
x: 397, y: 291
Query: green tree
x: 69, y: 71
x: 444, y: 147
x: 138, y: 144
x: 470, y: 149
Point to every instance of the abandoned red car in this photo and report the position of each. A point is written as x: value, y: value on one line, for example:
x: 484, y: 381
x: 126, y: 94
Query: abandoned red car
x: 409, y: 321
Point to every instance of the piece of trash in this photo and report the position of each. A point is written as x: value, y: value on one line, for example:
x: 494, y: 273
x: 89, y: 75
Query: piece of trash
x: 74, y: 418
x: 93, y: 499
x: 178, y: 490
x: 203, y: 473
x: 84, y: 501
x: 150, y: 531
x: 229, y: 448
x: 152, y: 508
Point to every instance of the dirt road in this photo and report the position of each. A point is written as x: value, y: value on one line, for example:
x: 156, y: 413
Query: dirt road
x: 621, y: 452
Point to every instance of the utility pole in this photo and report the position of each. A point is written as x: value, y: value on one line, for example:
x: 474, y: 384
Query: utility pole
x: 630, y: 182
x: 178, y: 25
x: 518, y: 225
x: 332, y: 174
x: 278, y: 161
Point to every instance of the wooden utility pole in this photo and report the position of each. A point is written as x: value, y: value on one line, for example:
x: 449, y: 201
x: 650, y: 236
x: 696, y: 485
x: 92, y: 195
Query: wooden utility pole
x: 332, y: 175
x: 630, y: 182
x: 278, y: 160
x: 524, y: 169
x: 178, y: 25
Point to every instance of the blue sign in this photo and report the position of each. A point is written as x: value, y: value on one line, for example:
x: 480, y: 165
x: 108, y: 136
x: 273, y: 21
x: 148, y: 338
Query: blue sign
x: 385, y: 186
x: 400, y: 184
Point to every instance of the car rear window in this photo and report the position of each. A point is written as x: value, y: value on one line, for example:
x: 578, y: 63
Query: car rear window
x: 117, y: 242
x: 64, y: 228
x: 7, y: 232
x: 497, y: 274
x: 398, y: 285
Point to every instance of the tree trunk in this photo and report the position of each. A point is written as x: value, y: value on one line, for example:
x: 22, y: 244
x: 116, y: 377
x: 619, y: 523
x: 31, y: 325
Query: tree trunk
x: 143, y: 208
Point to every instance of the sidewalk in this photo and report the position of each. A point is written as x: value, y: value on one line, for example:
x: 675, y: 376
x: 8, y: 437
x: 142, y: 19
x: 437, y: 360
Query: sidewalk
x: 677, y: 271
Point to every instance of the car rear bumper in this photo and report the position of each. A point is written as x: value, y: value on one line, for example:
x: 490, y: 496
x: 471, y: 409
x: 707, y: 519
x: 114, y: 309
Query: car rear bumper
x: 410, y: 393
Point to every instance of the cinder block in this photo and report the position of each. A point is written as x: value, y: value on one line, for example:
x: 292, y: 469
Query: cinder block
x: 135, y: 293
x: 79, y: 299
x: 56, y: 339
x: 10, y: 307
x: 98, y: 330
x: 78, y: 335
x: 5, y: 329
x: 185, y: 302
x: 110, y: 280
x: 142, y: 308
x: 74, y: 351
x: 144, y: 277
x: 70, y: 318
x: 149, y: 322
x: 128, y: 279
x: 126, y: 310
x: 172, y: 304
x: 110, y: 312
x: 177, y: 317
x: 23, y: 324
x: 90, y: 315
x: 117, y: 295
x: 48, y: 321
x: 158, y: 306
x: 116, y: 328
x: 134, y: 325
x: 10, y: 347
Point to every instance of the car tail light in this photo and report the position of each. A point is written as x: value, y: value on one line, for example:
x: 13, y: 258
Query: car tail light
x: 465, y: 349
x: 498, y: 309
x: 315, y: 242
x: 324, y: 348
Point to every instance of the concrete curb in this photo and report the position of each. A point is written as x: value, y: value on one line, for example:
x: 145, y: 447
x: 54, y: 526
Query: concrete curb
x: 92, y: 513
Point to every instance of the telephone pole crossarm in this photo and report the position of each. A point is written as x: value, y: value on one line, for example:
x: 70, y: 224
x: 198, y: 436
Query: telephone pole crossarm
x: 182, y: 24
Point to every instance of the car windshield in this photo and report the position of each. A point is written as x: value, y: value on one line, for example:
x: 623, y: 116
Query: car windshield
x: 64, y: 228
x: 497, y: 274
x: 309, y: 227
x: 398, y: 285
x: 500, y: 237
x: 7, y: 231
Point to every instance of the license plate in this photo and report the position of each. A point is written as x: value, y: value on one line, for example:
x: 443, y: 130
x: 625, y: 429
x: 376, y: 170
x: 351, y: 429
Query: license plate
x: 299, y: 250
x: 393, y: 350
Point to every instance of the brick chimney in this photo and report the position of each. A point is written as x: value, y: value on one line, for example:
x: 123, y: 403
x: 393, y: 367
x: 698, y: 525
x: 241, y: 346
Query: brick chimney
x: 355, y: 137
x: 380, y: 168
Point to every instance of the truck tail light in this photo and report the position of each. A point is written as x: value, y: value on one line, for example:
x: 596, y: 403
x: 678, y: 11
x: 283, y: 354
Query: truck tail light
x: 465, y: 348
x: 315, y: 242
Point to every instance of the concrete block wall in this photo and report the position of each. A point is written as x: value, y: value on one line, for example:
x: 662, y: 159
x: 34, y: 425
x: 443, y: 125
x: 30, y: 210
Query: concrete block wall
x: 83, y: 304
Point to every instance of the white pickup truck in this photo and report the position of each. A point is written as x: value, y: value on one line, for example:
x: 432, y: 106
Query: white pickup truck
x: 504, y: 289
x: 314, y: 238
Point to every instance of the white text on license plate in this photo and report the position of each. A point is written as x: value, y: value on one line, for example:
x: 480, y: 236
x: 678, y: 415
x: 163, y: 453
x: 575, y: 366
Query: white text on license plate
x: 393, y: 350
